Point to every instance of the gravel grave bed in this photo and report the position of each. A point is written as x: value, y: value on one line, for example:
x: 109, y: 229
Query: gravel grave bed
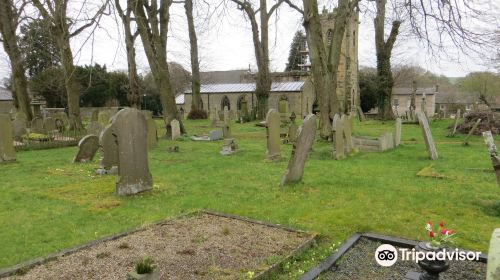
x: 203, y: 246
x: 359, y: 264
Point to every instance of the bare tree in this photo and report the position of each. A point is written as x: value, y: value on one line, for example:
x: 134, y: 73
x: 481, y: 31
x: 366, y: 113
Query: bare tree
x: 261, y: 47
x: 56, y: 14
x: 152, y: 20
x: 9, y: 21
x: 195, y: 63
x: 134, y: 93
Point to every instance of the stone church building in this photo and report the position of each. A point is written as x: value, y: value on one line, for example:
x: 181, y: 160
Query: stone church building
x: 291, y: 91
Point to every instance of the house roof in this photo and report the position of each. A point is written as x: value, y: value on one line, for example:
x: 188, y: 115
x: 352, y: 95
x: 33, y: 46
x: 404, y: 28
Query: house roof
x: 5, y: 94
x: 408, y: 91
x: 223, y: 77
x: 248, y: 87
x: 179, y: 99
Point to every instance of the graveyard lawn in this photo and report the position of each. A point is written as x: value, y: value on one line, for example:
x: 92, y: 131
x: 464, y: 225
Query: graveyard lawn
x: 48, y: 203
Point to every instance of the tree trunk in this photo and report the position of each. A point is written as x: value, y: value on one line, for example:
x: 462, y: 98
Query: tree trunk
x: 195, y: 63
x: 134, y: 94
x: 8, y: 24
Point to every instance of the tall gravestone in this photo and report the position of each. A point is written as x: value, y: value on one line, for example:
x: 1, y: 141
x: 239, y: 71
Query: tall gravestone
x: 7, y: 151
x: 226, y: 129
x: 397, y: 134
x: 273, y: 135
x: 87, y: 148
x: 176, y: 129
x: 95, y: 116
x: 426, y: 131
x: 346, y: 124
x: 292, y: 129
x: 130, y: 129
x: 152, y: 133
x: 109, y: 147
x: 301, y: 148
x: 493, y: 266
x: 338, y: 126
x: 492, y: 149
x: 37, y: 125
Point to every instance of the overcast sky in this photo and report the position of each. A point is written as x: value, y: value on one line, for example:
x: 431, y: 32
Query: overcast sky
x: 225, y: 43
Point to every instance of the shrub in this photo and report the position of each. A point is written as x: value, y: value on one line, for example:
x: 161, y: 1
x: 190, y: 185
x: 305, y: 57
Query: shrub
x: 197, y: 114
x: 144, y: 266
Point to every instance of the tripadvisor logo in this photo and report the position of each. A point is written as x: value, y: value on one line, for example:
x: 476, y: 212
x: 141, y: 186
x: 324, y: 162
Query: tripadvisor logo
x: 387, y: 255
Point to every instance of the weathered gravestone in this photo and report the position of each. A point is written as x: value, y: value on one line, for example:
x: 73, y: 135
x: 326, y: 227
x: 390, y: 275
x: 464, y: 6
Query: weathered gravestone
x: 226, y: 129
x: 176, y: 129
x: 346, y: 124
x: 214, y: 116
x: 426, y: 131
x: 7, y: 152
x: 87, y: 147
x: 152, y: 133
x: 457, y: 118
x: 301, y: 148
x: 229, y: 147
x: 397, y: 134
x: 215, y: 135
x: 386, y: 141
x: 292, y: 129
x: 94, y: 128
x: 361, y: 115
x: 103, y: 118
x: 49, y: 124
x: 19, y: 128
x: 130, y: 129
x: 109, y: 146
x: 338, y: 134
x: 95, y: 116
x: 471, y: 131
x: 37, y: 125
x: 273, y: 135
x: 493, y: 266
x: 492, y: 149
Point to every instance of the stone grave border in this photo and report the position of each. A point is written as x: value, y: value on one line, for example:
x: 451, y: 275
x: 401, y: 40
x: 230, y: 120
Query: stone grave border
x: 352, y: 240
x: 24, y: 266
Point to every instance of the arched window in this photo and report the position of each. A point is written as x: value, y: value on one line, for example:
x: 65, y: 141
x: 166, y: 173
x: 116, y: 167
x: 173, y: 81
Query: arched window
x: 225, y: 103
x: 241, y: 99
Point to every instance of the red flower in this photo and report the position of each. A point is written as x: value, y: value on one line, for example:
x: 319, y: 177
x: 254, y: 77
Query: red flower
x: 431, y: 234
x: 443, y: 231
x: 450, y: 232
x: 441, y: 224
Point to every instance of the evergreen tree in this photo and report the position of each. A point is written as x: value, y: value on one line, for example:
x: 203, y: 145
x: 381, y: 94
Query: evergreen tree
x: 295, y: 58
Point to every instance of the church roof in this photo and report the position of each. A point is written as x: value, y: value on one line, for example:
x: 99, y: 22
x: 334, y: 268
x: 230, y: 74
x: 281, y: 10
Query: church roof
x: 5, y: 94
x: 249, y: 87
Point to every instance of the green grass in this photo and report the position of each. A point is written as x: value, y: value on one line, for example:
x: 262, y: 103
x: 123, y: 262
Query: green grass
x: 47, y: 203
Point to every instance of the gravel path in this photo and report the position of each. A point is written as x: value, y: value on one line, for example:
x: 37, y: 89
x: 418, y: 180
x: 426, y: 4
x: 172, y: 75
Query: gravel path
x: 359, y: 264
x: 199, y: 247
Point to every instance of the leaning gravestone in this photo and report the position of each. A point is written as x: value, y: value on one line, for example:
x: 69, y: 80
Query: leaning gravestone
x: 273, y: 135
x: 7, y: 151
x: 130, y: 128
x: 338, y: 125
x: 109, y: 146
x: 493, y: 266
x: 176, y: 129
x: 226, y: 129
x: 49, y: 124
x: 471, y: 131
x: 397, y: 134
x: 492, y: 149
x: 426, y: 131
x: 346, y: 123
x: 301, y: 148
x: 457, y: 118
x: 152, y: 133
x: 37, y: 125
x: 361, y: 115
x: 87, y: 147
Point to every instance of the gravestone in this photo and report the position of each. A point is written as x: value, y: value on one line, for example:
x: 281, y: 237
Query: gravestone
x: 60, y: 125
x: 215, y: 135
x: 493, y: 264
x: 214, y: 116
x: 283, y: 110
x: 87, y: 147
x: 37, y: 125
x: 226, y: 129
x: 152, y: 133
x: 94, y: 128
x: 95, y: 116
x: 346, y: 124
x: 492, y: 149
x: 229, y: 147
x: 64, y: 118
x: 386, y: 141
x: 361, y: 115
x: 457, y: 118
x: 471, y: 131
x: 273, y: 135
x: 130, y: 128
x: 397, y: 134
x: 292, y: 129
x: 301, y: 148
x: 49, y: 124
x: 7, y: 151
x: 426, y: 131
x: 19, y: 128
x: 103, y: 118
x: 109, y: 147
x: 244, y: 109
x: 338, y: 126
x: 176, y: 129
